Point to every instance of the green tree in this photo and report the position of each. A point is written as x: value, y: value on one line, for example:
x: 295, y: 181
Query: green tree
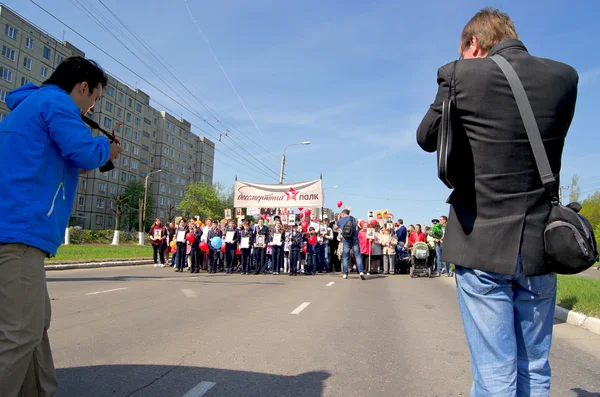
x: 590, y: 208
x: 575, y: 190
x: 202, y: 200
x: 134, y: 191
x: 225, y: 196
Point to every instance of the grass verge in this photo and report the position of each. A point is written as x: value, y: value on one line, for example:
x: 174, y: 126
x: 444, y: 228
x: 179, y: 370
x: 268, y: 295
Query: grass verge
x: 579, y: 294
x: 85, y: 252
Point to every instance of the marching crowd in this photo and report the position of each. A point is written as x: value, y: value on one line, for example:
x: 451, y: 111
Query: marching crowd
x: 323, y: 246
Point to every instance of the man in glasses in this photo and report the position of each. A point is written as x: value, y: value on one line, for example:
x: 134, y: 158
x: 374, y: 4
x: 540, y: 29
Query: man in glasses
x: 44, y: 145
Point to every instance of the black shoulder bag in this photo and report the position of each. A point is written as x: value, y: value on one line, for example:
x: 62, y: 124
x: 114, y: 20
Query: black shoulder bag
x: 568, y: 237
x: 444, y: 143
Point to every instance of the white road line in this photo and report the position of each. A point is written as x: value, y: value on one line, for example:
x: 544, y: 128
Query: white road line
x: 200, y: 389
x: 330, y: 283
x: 108, y: 290
x: 300, y: 308
x: 189, y: 293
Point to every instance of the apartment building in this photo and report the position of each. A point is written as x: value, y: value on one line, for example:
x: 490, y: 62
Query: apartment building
x: 151, y: 139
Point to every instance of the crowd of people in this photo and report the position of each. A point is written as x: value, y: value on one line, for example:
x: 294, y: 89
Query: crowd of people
x: 276, y: 248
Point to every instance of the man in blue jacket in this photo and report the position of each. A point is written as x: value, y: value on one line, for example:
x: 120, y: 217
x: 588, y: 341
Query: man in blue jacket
x: 44, y: 145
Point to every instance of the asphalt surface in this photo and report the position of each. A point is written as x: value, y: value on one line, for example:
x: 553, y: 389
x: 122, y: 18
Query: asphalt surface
x: 149, y: 332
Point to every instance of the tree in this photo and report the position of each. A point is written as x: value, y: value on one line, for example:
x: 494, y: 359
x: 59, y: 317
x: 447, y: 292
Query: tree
x: 201, y: 200
x: 225, y: 196
x: 575, y: 190
x: 134, y: 191
x: 590, y: 208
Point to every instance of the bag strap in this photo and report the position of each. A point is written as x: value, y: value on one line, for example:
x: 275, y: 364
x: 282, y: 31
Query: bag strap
x: 533, y: 132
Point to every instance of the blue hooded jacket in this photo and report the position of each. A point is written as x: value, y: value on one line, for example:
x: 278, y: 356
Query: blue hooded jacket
x: 43, y: 146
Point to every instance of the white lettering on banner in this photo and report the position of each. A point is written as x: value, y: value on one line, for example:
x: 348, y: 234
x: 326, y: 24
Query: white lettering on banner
x: 301, y: 194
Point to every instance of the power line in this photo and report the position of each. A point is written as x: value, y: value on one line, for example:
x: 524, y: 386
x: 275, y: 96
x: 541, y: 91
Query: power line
x: 152, y: 85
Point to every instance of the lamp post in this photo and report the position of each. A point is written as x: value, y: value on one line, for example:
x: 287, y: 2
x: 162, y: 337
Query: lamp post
x: 143, y: 209
x: 283, y: 158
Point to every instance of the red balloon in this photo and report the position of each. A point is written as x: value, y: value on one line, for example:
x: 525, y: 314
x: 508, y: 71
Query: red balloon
x: 374, y: 223
x: 312, y: 240
x: 304, y: 249
x: 264, y: 216
x: 203, y: 246
x: 190, y: 238
x: 305, y: 226
x: 173, y: 250
x: 238, y: 252
x: 223, y: 248
x: 300, y: 209
x: 307, y: 212
x: 340, y: 204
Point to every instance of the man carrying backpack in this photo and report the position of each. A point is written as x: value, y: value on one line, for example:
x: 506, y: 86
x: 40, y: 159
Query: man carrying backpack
x: 348, y: 229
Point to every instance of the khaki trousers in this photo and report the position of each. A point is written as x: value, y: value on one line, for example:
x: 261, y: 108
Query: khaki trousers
x: 26, y: 365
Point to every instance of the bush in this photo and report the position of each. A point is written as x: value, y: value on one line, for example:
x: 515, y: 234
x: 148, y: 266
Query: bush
x: 83, y: 236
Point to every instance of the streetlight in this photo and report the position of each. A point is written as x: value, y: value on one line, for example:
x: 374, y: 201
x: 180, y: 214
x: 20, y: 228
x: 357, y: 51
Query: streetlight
x: 143, y: 215
x: 283, y: 158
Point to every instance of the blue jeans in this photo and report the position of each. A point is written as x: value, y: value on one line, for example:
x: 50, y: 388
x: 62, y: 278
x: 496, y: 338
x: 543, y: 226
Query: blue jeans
x: 508, y: 323
x: 438, y: 257
x: 311, y: 264
x: 324, y: 258
x: 351, y: 244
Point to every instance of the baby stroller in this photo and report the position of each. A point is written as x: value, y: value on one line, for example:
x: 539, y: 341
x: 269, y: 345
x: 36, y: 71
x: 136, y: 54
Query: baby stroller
x: 420, y: 260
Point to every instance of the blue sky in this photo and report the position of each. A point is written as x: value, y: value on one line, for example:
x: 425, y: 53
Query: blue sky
x: 354, y: 79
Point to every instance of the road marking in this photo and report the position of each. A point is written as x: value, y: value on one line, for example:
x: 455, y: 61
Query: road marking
x: 189, y: 293
x: 108, y: 290
x: 200, y: 389
x: 330, y: 283
x: 300, y: 308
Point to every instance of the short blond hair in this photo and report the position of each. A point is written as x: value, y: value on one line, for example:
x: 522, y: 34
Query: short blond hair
x: 490, y: 26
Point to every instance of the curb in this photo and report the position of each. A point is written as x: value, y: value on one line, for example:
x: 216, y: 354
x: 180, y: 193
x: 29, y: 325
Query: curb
x: 591, y: 324
x: 92, y: 265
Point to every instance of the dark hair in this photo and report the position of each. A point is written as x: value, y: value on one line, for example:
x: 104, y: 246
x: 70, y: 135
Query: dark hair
x: 444, y: 217
x: 76, y: 70
x: 401, y: 221
x: 346, y: 211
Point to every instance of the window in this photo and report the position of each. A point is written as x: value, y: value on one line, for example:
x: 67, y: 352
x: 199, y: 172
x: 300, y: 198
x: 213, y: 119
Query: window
x: 179, y: 144
x: 172, y: 165
x: 24, y: 81
x: 123, y: 177
x: 166, y: 150
x: 11, y: 32
x: 147, y: 121
x: 177, y: 180
x: 111, y: 204
x: 172, y: 141
x: 168, y: 124
x: 29, y: 43
x: 59, y: 59
x: 127, y: 131
x: 107, y: 122
x: 138, y: 122
x: 202, y: 178
x: 170, y: 190
x: 163, y: 176
x: 146, y: 134
x: 181, y: 193
x: 8, y: 52
x: 110, y: 220
x: 100, y: 203
x: 47, y: 53
x: 129, y: 117
x: 166, y: 138
x: 2, y: 96
x: 83, y: 184
x: 172, y: 153
x: 110, y: 91
x: 136, y: 135
x: 162, y: 201
x: 81, y: 201
x: 182, y: 182
x: 99, y: 220
x: 27, y: 63
x: 183, y: 170
x: 145, y: 148
x: 113, y: 174
x: 44, y: 71
x: 163, y: 187
x: 119, y: 112
x: 138, y: 107
x: 129, y: 102
x: 132, y: 178
x: 135, y: 150
x: 134, y: 165
x: 101, y: 187
x: 185, y: 147
x: 125, y: 161
x: 165, y: 163
x: 121, y: 96
x: 112, y: 188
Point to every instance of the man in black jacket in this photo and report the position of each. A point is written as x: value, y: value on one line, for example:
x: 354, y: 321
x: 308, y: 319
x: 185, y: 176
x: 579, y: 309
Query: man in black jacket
x: 499, y: 207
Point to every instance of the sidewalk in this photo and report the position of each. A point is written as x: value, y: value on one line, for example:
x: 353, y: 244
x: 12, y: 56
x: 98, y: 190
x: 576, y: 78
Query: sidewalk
x: 592, y: 272
x: 95, y: 263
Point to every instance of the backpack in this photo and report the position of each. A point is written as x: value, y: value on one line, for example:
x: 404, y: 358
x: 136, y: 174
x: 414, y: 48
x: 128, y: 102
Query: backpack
x: 348, y: 229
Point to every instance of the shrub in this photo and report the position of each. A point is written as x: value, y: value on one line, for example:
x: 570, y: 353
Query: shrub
x: 84, y: 236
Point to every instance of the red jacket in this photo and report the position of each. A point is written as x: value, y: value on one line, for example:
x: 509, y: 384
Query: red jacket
x: 417, y: 237
x: 364, y: 243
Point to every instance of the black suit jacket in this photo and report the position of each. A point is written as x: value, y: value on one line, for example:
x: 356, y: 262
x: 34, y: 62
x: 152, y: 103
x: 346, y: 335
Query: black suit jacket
x: 499, y: 208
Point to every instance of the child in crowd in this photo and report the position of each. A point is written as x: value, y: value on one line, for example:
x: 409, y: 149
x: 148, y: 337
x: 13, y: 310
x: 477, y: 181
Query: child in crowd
x: 180, y: 234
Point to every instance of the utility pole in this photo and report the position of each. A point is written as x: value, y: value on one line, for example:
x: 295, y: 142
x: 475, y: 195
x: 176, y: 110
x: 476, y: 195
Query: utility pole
x: 560, y: 192
x: 141, y: 219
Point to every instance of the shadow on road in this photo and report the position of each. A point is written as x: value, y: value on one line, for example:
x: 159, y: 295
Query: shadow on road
x: 585, y: 393
x: 176, y: 381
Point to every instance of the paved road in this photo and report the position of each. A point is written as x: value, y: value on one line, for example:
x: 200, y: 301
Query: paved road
x: 593, y: 272
x: 149, y: 332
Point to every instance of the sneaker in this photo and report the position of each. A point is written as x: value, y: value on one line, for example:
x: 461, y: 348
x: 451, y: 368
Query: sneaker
x: 162, y: 265
x: 362, y: 276
x: 156, y: 265
x: 345, y: 276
